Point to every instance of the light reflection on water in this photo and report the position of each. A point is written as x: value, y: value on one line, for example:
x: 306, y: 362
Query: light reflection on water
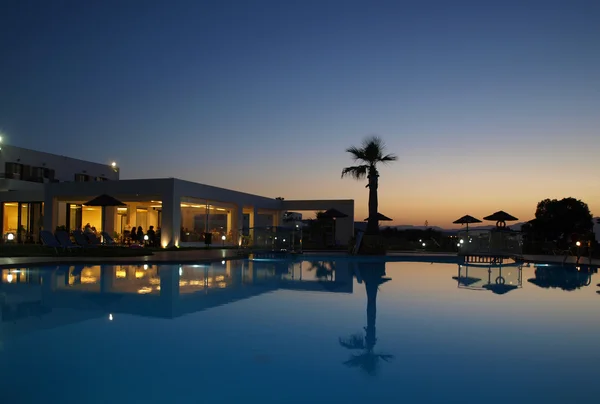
x: 281, y: 331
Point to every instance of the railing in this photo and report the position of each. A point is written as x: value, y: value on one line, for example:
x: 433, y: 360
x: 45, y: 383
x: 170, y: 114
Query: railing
x: 490, y: 242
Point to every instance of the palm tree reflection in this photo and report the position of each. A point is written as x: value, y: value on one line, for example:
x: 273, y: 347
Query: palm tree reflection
x: 323, y: 269
x: 372, y: 274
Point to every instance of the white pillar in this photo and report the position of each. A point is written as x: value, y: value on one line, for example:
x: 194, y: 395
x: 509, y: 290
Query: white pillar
x: 252, y: 222
x: 50, y: 214
x: 170, y: 230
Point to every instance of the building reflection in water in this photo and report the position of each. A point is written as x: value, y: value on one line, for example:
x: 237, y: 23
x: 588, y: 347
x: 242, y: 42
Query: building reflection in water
x: 372, y: 275
x: 32, y: 299
x: 567, y: 277
x: 497, y: 278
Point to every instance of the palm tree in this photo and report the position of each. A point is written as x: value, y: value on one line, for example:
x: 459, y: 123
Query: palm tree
x: 371, y: 153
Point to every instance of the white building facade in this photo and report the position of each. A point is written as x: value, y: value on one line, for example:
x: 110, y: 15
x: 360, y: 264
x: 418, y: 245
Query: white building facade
x: 44, y: 191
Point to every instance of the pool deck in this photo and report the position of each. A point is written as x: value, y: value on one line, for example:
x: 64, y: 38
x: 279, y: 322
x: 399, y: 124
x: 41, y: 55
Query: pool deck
x: 195, y: 256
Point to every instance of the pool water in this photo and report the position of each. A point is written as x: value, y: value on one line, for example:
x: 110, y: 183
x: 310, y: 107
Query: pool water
x: 325, y: 330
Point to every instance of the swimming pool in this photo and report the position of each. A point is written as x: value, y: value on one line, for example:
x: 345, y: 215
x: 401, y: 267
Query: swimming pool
x: 327, y: 330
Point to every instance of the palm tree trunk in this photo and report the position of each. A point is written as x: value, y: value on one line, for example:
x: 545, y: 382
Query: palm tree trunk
x: 373, y: 223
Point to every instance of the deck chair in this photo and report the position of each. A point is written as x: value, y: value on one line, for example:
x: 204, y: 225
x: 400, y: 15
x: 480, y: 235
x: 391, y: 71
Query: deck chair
x: 108, y: 240
x: 49, y: 240
x: 65, y: 241
x: 81, y: 239
x: 92, y: 239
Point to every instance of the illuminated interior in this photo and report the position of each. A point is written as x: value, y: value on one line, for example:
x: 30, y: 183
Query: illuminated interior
x: 133, y: 214
x: 21, y: 222
x: 11, y: 217
x: 202, y: 216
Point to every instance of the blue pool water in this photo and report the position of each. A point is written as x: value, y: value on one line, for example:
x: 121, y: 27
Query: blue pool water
x: 300, y: 332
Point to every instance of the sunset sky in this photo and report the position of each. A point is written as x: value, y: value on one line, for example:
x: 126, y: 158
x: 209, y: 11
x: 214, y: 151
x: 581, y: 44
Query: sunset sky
x: 489, y: 105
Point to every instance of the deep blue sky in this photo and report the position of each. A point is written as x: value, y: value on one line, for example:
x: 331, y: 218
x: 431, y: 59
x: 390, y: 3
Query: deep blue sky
x: 264, y: 96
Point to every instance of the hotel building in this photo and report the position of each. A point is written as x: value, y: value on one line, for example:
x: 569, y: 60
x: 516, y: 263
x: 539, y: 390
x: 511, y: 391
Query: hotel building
x: 46, y: 191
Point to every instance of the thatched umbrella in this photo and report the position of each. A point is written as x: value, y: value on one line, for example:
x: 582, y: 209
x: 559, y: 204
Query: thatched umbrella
x: 104, y: 201
x: 381, y: 218
x: 501, y: 218
x: 467, y: 219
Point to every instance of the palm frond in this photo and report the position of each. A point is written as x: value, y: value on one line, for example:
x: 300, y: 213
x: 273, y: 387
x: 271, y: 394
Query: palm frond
x: 356, y: 172
x: 358, y: 154
x: 355, y: 341
x: 388, y: 158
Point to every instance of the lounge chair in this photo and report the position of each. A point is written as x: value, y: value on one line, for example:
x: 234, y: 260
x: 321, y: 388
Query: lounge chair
x: 92, y: 239
x: 81, y: 239
x: 64, y: 240
x: 107, y: 239
x: 49, y: 240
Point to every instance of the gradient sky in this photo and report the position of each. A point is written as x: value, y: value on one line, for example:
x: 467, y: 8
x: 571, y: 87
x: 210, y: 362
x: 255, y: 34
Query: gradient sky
x: 489, y: 104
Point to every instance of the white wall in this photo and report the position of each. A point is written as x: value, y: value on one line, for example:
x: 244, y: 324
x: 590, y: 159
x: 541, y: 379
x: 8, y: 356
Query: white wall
x: 65, y: 168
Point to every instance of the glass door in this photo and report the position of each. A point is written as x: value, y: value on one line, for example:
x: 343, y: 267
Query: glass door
x: 74, y: 217
x: 23, y: 234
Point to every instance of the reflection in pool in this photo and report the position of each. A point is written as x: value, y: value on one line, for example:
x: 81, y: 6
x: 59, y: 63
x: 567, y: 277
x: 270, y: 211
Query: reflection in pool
x: 282, y: 331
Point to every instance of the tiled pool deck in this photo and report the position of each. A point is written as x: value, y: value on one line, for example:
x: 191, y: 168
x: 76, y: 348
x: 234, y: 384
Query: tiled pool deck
x: 191, y: 256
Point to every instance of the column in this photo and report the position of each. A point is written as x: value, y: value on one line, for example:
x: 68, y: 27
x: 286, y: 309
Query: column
x: 132, y: 214
x: 170, y: 231
x: 252, y: 223
x: 277, y: 218
x: 50, y: 214
x: 109, y: 220
x: 235, y: 224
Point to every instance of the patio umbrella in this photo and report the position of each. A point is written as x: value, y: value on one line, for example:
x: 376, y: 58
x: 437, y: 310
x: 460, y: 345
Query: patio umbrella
x: 466, y: 280
x: 500, y: 289
x: 334, y: 214
x: 381, y: 217
x: 501, y: 218
x: 104, y: 201
x: 467, y: 219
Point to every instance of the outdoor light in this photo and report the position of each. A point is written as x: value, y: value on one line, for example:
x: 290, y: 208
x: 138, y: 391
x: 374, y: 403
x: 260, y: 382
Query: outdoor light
x: 578, y: 244
x: 297, y: 226
x: 420, y: 241
x: 180, y: 271
x: 9, y: 278
x: 284, y: 240
x: 110, y: 317
x: 462, y: 241
x: 145, y: 267
x: 223, y: 262
x: 458, y: 244
x: 113, y: 164
x: 223, y: 238
x: 146, y: 238
x: 423, y: 244
x: 10, y: 236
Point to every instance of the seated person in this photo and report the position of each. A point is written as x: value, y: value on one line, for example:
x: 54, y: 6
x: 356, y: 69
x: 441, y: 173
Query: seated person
x: 151, y: 236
